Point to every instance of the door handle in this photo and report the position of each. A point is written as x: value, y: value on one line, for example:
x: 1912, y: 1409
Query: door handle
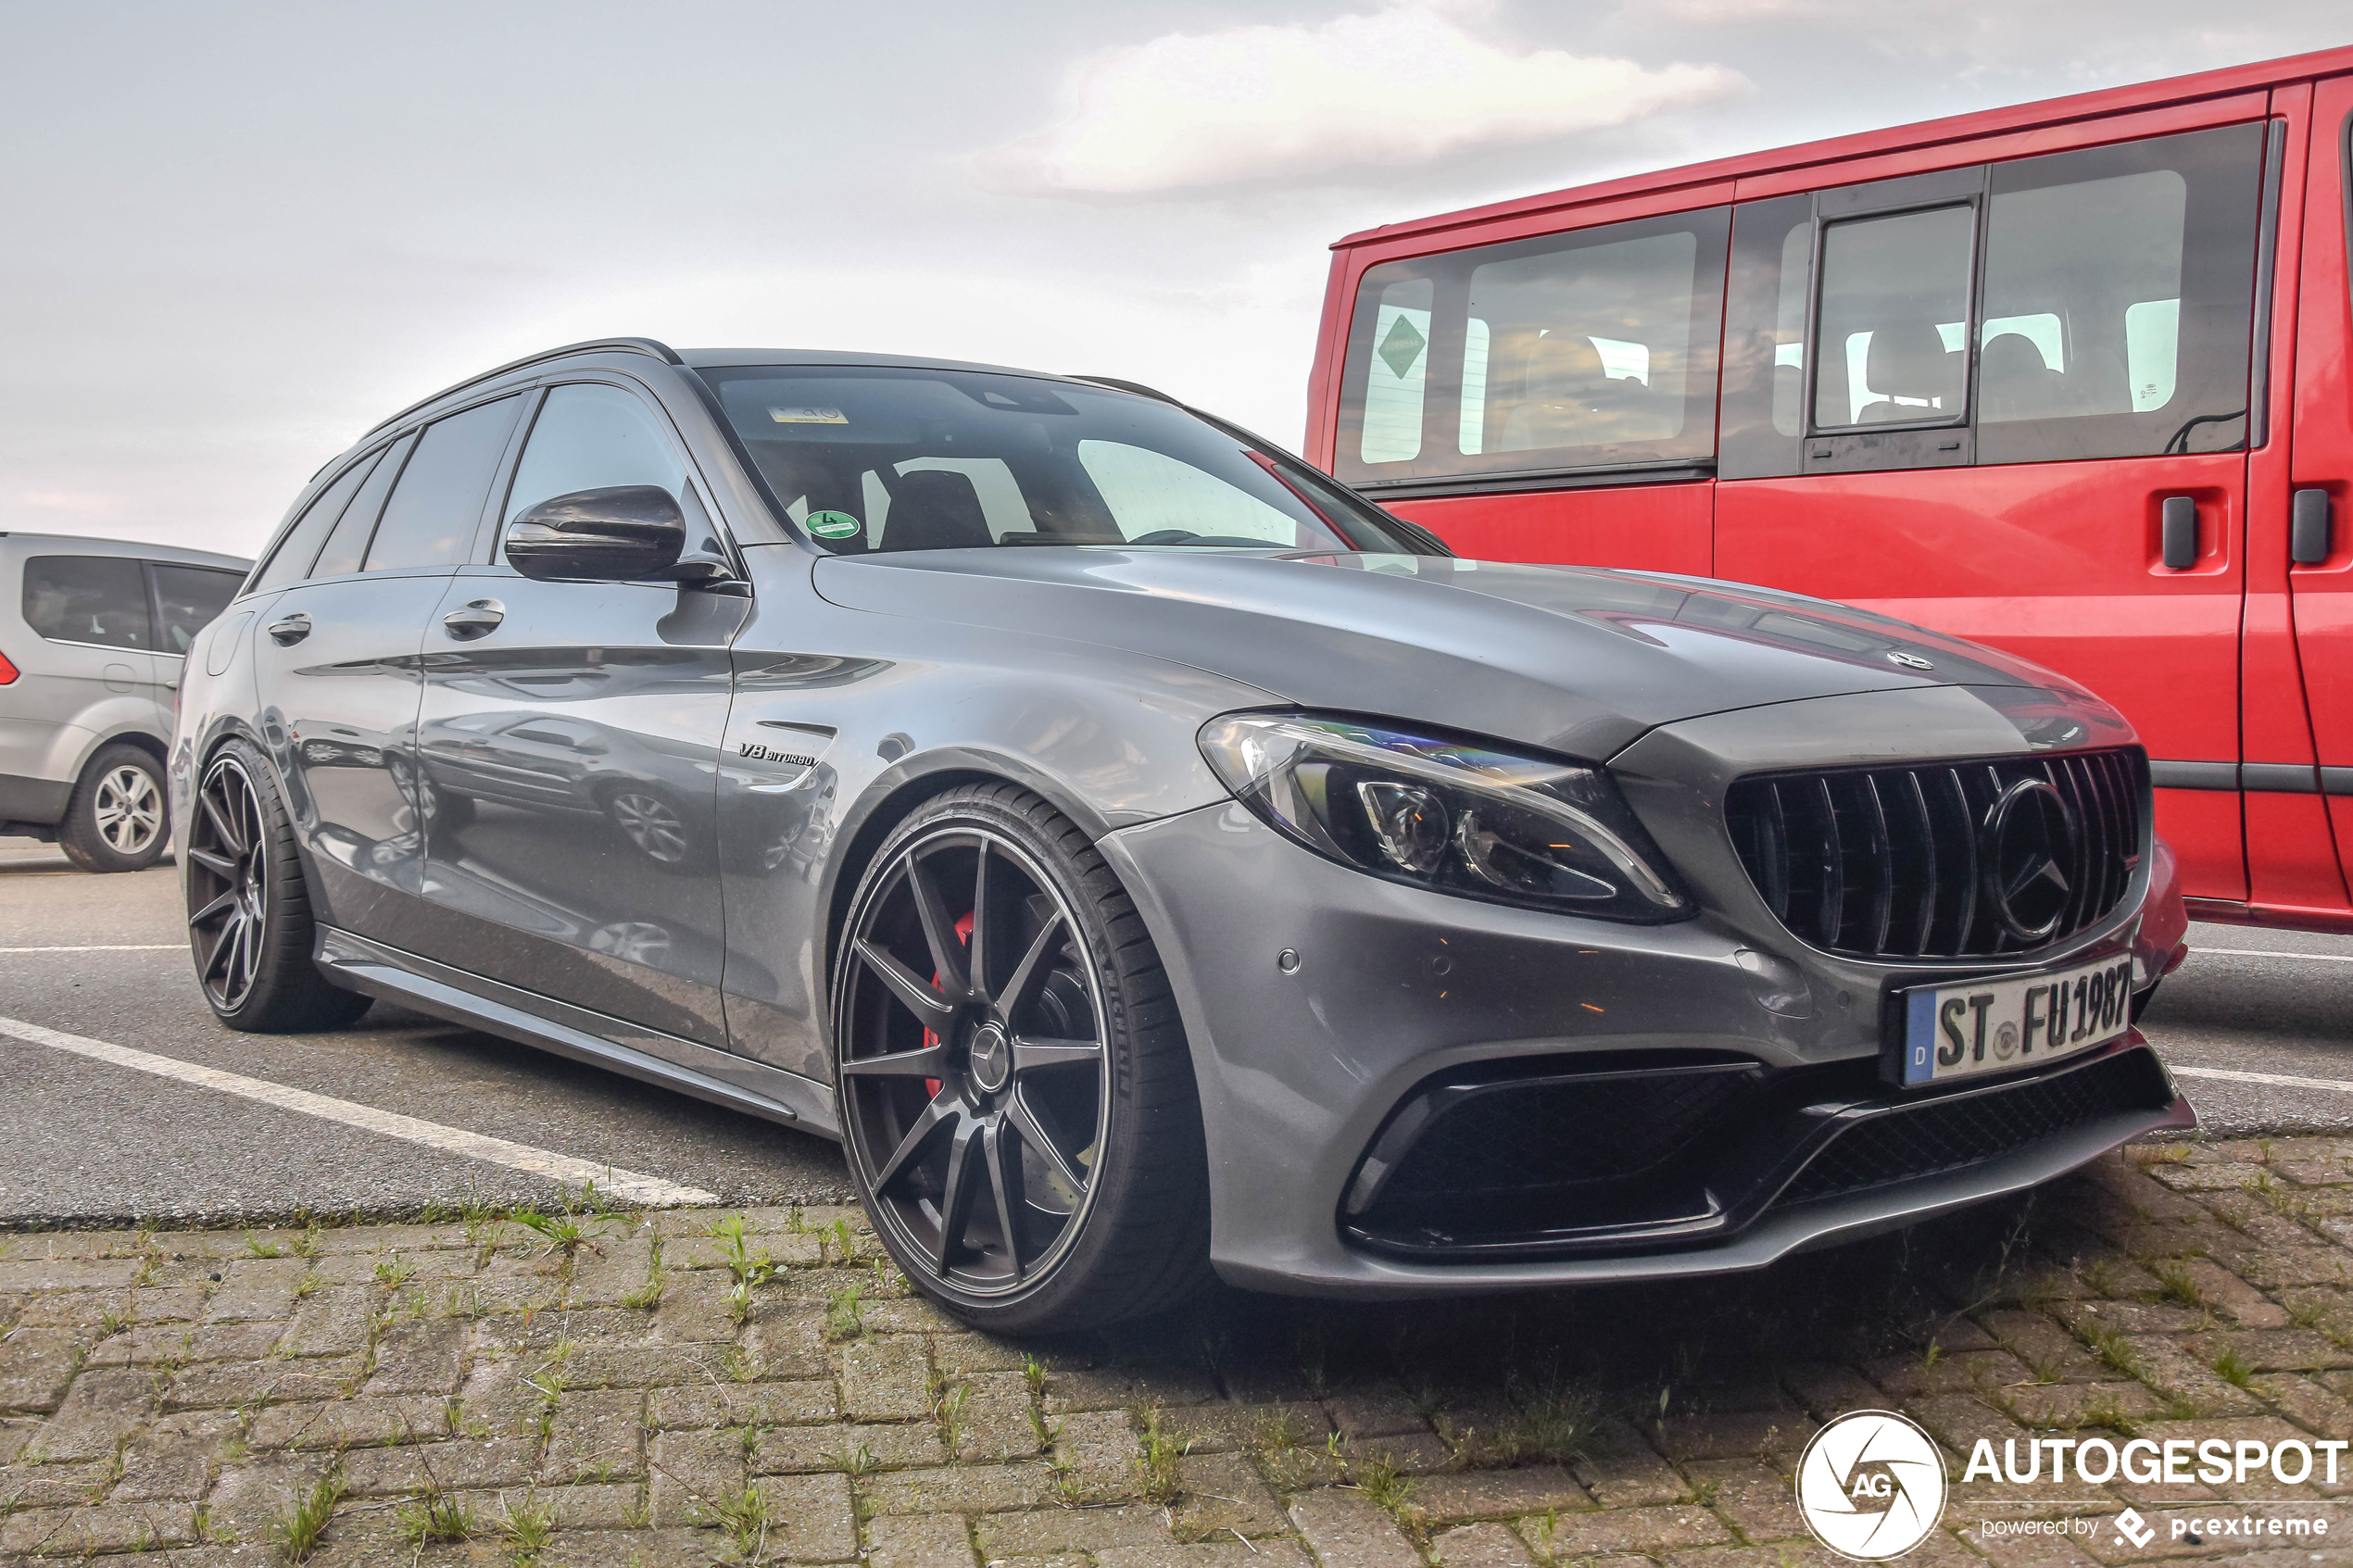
x: 2178, y: 539
x: 290, y: 631
x: 2311, y: 531
x: 478, y: 618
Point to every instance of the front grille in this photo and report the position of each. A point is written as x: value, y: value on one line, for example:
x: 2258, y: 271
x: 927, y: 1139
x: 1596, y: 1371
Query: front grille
x: 1891, y: 862
x: 1946, y: 1135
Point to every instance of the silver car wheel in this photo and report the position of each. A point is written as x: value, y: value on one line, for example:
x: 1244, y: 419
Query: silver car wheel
x: 974, y: 1101
x: 128, y: 809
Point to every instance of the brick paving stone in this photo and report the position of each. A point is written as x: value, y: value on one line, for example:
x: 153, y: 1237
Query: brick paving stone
x: 1344, y: 1529
x: 1828, y: 1389
x: 885, y: 1379
x: 339, y: 1423
x: 1480, y: 1546
x: 787, y: 1343
x: 1497, y: 1494
x: 1728, y: 1435
x: 692, y: 1471
x: 628, y: 1548
x: 1222, y: 1492
x: 1057, y: 1530
x: 105, y: 1527
x: 2050, y: 1350
x: 15, y: 1432
x: 617, y: 1267
x: 889, y: 1444
x: 2077, y: 1404
x: 695, y: 1306
x: 814, y: 1516
x: 218, y: 1385
x: 66, y: 1273
x: 1120, y: 1387
x: 1637, y: 1530
x: 2168, y: 1369
x: 463, y: 1464
x: 605, y: 1366
x: 957, y: 1353
x: 175, y: 1464
x: 1205, y: 1554
x: 103, y: 1407
x: 994, y: 1419
x: 2308, y: 1404
x: 971, y: 1489
x: 251, y: 1496
x: 420, y: 1356
x: 179, y: 1343
x: 2279, y: 1350
x: 1098, y: 1454
x: 1760, y: 1503
x: 746, y: 1404
x: 36, y: 1365
x: 1358, y: 1413
x: 596, y: 1435
x: 330, y: 1323
x: 2130, y: 1317
x: 255, y: 1289
x: 919, y: 1540
x: 1912, y: 1377
x: 907, y: 1314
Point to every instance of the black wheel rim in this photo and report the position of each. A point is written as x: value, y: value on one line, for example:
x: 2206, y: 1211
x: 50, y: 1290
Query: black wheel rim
x: 228, y: 884
x: 974, y: 1103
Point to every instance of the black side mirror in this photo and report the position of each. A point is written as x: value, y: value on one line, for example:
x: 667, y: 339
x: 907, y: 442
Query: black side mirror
x: 620, y: 533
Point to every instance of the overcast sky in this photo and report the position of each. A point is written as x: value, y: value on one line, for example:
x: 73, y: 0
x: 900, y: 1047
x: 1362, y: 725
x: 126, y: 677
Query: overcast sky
x: 234, y: 235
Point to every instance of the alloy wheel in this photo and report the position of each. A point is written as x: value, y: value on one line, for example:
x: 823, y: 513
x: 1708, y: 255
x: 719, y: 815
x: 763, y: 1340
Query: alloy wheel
x: 228, y: 884
x: 128, y: 809
x: 974, y: 1101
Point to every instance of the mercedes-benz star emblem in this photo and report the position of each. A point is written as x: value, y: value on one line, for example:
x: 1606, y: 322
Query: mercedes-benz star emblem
x: 992, y: 1056
x: 2027, y: 848
x: 1909, y: 660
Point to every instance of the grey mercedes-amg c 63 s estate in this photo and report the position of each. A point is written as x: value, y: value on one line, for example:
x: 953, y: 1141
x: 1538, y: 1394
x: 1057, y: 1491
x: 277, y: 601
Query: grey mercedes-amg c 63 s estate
x: 1147, y: 857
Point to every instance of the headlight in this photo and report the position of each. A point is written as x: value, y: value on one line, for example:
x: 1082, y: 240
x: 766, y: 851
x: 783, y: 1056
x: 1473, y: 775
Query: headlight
x: 1445, y: 815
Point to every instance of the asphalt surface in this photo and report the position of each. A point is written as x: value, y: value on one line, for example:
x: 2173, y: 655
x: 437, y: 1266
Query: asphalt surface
x: 90, y: 1142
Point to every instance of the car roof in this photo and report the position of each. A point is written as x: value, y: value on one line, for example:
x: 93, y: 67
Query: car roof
x: 729, y: 359
x: 175, y: 555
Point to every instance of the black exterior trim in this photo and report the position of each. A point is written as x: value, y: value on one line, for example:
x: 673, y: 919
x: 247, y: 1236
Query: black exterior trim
x: 645, y: 346
x: 2255, y: 778
x: 2194, y: 775
x: 1516, y: 483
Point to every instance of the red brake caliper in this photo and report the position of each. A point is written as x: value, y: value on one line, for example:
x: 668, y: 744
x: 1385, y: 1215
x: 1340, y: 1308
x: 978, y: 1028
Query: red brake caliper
x: 964, y: 930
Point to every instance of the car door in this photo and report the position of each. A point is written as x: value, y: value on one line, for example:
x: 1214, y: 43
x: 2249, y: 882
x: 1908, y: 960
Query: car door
x: 2010, y: 401
x: 2312, y: 520
x: 336, y: 664
x: 569, y: 736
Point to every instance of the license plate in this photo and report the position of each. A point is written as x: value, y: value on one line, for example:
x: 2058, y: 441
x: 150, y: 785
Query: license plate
x: 1998, y: 1025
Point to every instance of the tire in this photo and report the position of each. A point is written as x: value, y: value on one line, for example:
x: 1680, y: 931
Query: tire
x: 119, y: 819
x: 249, y: 925
x: 1027, y: 1141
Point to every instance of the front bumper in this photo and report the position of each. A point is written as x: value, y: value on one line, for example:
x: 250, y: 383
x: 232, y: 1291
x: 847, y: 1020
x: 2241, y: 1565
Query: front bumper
x: 1318, y: 1001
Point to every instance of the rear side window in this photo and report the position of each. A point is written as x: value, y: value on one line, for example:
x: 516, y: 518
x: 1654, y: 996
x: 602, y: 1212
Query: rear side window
x: 347, y: 545
x: 99, y: 599
x: 437, y: 505
x: 188, y: 598
x: 290, y: 562
x: 1592, y: 349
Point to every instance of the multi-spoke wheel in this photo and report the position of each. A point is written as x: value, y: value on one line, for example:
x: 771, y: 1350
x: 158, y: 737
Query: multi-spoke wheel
x: 249, y: 924
x: 1014, y: 1090
x: 116, y: 820
x: 652, y: 823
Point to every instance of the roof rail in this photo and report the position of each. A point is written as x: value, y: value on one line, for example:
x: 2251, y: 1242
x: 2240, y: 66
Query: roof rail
x: 1138, y: 388
x: 645, y: 346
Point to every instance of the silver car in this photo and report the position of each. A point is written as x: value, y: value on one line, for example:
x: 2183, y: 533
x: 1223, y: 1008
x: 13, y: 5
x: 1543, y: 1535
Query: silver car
x: 1147, y: 857
x: 93, y: 636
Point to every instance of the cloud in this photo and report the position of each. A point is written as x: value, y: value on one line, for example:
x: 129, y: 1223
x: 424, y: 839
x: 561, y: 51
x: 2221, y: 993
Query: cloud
x: 1407, y: 84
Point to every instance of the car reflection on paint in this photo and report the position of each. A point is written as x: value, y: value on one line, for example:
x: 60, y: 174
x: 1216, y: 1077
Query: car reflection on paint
x: 559, y: 762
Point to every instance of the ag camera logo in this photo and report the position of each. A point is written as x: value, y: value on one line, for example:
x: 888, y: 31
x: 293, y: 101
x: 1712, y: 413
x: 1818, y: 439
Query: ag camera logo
x: 1871, y: 1485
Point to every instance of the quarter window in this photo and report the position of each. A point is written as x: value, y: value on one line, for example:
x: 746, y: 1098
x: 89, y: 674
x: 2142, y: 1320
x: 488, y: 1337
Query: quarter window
x: 188, y: 598
x: 590, y: 437
x: 1592, y: 349
x: 100, y: 599
x: 290, y: 562
x: 348, y: 545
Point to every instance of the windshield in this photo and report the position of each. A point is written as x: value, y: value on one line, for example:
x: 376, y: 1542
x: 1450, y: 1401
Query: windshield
x: 882, y: 458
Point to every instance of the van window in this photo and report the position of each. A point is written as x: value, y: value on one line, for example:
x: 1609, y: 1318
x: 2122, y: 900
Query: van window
x: 2118, y: 300
x: 290, y: 562
x: 1894, y: 322
x: 188, y: 598
x: 1590, y: 349
x: 437, y: 505
x: 348, y: 544
x: 100, y: 599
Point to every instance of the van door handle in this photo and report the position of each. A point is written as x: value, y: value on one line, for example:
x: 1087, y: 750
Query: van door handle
x: 290, y: 631
x: 2311, y: 531
x: 478, y: 618
x: 2178, y: 538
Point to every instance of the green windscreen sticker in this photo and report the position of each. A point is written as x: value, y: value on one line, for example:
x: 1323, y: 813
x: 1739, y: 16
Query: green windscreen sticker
x: 833, y: 525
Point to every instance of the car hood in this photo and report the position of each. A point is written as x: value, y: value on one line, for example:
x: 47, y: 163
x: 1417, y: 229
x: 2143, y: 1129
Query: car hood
x: 1572, y: 659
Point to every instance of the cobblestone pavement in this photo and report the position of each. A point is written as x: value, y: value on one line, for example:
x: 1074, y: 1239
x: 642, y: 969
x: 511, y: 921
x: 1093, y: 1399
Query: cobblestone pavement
x: 692, y: 1386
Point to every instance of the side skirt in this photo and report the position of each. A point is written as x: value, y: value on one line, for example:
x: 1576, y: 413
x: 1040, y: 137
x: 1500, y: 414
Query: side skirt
x: 360, y: 964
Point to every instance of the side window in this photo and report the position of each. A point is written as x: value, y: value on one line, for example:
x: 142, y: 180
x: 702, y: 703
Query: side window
x: 188, y: 598
x: 290, y: 562
x: 100, y: 599
x: 1892, y: 329
x: 590, y: 437
x: 2118, y: 300
x: 1593, y: 349
x: 1766, y: 294
x: 348, y: 542
x: 437, y: 505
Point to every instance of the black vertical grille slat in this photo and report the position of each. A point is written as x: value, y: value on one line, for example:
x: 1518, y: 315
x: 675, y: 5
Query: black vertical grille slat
x: 1884, y: 862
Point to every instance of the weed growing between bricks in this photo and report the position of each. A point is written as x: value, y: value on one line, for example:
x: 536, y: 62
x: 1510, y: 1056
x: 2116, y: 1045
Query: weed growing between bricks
x: 587, y: 1386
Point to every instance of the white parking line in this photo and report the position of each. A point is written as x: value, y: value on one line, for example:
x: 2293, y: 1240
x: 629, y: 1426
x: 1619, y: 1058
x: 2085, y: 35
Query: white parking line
x: 652, y: 1190
x: 110, y: 947
x: 2283, y: 1079
x: 2273, y: 953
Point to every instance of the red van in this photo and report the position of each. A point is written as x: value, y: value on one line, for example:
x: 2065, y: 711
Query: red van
x: 2069, y: 377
